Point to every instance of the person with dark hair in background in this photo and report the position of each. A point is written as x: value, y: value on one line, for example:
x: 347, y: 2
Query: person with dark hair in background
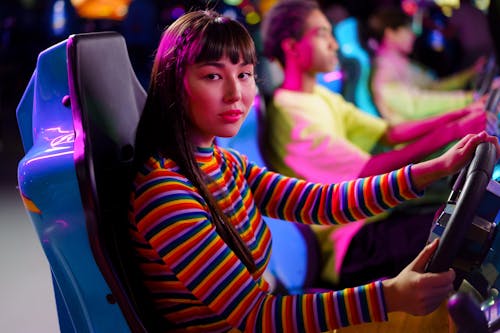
x: 195, y: 208
x: 402, y: 89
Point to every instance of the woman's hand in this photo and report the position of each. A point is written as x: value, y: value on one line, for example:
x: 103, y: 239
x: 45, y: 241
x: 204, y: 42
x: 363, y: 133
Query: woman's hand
x: 416, y: 292
x: 451, y: 161
x: 462, y: 152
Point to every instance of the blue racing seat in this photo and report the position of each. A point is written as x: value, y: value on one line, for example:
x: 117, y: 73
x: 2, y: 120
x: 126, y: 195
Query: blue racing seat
x: 77, y: 120
x: 355, y: 64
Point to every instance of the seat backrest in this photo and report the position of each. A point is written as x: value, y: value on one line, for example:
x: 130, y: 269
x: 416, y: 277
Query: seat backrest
x: 106, y: 101
x: 356, y: 67
x: 75, y: 177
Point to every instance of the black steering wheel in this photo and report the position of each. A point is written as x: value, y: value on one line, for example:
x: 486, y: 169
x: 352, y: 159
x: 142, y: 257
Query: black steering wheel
x: 458, y: 217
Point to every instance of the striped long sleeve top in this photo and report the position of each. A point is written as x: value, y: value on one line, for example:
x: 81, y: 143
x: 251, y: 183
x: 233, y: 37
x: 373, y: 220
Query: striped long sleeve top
x: 199, y: 285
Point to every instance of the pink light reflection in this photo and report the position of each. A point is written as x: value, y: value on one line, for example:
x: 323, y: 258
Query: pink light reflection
x: 332, y: 76
x: 62, y: 223
x: 48, y: 156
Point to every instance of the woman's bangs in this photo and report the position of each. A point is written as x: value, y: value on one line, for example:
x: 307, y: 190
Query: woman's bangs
x: 225, y: 38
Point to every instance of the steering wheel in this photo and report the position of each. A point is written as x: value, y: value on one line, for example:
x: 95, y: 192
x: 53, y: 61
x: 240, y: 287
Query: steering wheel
x: 459, y: 214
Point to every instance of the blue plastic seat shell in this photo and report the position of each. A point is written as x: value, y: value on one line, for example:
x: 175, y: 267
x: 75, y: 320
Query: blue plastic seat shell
x: 47, y: 178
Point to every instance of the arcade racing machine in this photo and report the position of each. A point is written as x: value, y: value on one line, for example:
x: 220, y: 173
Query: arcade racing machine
x: 467, y: 228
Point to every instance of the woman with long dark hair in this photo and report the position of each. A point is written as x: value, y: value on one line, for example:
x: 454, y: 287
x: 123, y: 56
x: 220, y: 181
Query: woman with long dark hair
x: 195, y: 208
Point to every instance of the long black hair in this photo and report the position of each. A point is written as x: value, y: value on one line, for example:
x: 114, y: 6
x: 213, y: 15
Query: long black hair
x: 163, y: 128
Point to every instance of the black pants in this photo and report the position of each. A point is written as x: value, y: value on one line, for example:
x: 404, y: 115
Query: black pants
x: 384, y: 248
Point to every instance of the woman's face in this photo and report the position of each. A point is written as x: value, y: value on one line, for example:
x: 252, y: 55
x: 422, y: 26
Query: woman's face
x: 219, y: 95
x: 402, y: 39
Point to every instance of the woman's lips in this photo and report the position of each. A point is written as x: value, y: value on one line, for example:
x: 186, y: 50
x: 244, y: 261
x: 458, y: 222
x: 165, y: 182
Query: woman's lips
x: 231, y: 116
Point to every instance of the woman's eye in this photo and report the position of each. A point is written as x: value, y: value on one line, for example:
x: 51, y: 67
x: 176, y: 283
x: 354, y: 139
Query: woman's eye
x: 246, y: 75
x: 323, y: 33
x: 213, y: 76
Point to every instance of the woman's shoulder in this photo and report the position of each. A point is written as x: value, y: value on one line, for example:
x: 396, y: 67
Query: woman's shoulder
x: 158, y: 163
x: 159, y: 170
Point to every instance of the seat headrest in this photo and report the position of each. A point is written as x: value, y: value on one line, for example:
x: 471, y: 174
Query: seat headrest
x: 104, y: 84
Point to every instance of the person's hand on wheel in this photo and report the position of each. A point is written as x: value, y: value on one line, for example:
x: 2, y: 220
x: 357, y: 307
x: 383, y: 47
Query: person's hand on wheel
x: 416, y: 292
x: 451, y: 161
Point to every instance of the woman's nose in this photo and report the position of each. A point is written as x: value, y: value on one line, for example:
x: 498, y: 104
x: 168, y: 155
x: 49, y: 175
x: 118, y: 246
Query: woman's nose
x: 232, y: 91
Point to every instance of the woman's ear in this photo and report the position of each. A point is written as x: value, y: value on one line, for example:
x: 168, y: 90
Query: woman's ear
x: 288, y: 45
x: 391, y: 34
x: 388, y: 34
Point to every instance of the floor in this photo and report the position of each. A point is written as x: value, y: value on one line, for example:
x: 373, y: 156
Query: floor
x: 27, y: 302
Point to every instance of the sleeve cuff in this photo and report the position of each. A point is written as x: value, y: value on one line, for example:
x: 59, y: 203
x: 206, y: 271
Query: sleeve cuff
x: 411, y: 191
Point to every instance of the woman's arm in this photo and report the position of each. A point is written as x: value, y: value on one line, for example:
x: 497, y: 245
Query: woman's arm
x: 399, y: 102
x: 461, y: 79
x: 203, y: 283
x: 191, y: 269
x: 451, y: 162
x: 441, y: 135
x: 406, y: 94
x: 297, y: 200
x: 412, y: 130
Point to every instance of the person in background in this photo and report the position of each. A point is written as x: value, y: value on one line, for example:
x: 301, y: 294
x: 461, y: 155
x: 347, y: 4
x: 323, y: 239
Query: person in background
x: 402, y: 89
x: 196, y: 208
x: 312, y: 133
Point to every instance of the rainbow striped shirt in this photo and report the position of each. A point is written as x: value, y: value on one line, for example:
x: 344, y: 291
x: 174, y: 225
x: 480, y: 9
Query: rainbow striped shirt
x: 199, y: 285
